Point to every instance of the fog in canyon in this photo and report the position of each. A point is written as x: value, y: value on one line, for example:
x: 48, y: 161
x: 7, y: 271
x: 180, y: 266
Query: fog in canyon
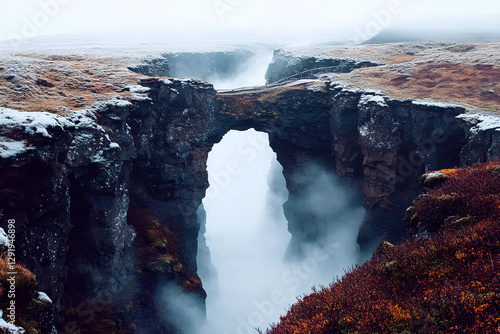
x: 246, y: 232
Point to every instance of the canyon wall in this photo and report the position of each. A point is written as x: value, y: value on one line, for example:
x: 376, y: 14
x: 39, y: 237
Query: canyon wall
x: 287, y: 64
x: 106, y: 203
x: 213, y: 65
x: 106, y: 199
x: 376, y: 145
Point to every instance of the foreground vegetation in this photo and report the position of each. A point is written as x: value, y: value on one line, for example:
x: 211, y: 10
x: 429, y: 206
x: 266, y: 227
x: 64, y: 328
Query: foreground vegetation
x: 444, y: 279
x: 31, y: 313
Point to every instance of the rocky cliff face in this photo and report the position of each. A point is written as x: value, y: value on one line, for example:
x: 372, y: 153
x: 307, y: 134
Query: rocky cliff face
x: 288, y: 63
x: 106, y: 201
x: 107, y: 198
x: 203, y: 65
x: 376, y: 145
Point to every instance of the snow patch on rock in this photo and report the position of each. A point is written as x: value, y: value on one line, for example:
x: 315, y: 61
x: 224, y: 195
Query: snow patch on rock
x: 139, y: 92
x: 118, y: 103
x: 434, y: 104
x: 376, y: 99
x: 364, y: 131
x: 83, y: 119
x: 33, y: 122
x: 433, y: 178
x: 138, y: 89
x: 42, y: 296
x: 4, y: 239
x: 10, y: 148
x: 481, y: 122
x: 5, y: 327
x: 317, y: 88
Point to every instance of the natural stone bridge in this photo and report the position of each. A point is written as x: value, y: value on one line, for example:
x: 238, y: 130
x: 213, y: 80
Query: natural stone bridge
x: 107, y: 199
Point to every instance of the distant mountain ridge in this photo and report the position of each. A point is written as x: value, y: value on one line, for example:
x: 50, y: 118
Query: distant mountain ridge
x: 398, y: 35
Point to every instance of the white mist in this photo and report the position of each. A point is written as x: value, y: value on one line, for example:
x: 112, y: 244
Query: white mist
x: 251, y: 73
x: 247, y: 247
x: 248, y: 239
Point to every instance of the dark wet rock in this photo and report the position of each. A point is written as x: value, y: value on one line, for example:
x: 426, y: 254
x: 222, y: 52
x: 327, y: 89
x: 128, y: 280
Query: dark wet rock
x: 383, y: 248
x: 155, y: 67
x: 433, y: 179
x: 286, y: 63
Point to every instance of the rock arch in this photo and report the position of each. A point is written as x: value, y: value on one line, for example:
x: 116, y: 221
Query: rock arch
x: 138, y: 171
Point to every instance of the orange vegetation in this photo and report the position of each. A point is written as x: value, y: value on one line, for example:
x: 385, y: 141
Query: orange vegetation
x: 25, y: 279
x: 402, y: 58
x: 56, y: 84
x: 161, y: 246
x: 447, y: 282
x: 273, y: 95
x: 464, y: 84
x: 449, y: 171
x: 25, y: 290
x: 472, y: 81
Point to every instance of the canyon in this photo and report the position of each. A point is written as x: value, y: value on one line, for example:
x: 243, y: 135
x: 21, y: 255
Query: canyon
x: 104, y: 164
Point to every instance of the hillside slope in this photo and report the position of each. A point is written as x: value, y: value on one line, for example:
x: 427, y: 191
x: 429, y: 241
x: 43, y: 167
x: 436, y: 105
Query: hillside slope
x: 444, y: 279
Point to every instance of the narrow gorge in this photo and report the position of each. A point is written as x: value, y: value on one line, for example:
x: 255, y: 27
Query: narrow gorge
x: 106, y: 191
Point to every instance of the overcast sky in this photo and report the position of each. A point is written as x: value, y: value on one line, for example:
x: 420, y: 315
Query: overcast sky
x: 25, y: 18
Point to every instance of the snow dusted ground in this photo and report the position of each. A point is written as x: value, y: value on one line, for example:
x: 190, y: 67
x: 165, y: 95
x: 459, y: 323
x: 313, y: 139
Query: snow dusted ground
x: 420, y: 52
x: 64, y: 73
x: 134, y: 49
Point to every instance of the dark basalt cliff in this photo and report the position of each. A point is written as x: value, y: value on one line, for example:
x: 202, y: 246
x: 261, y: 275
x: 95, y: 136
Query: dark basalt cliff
x: 376, y: 145
x: 106, y: 199
x: 286, y: 64
x: 204, y: 65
